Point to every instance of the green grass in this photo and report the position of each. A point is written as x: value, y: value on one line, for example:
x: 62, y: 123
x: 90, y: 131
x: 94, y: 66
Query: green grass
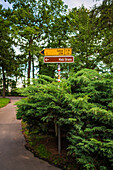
x: 42, y: 151
x: 4, y: 102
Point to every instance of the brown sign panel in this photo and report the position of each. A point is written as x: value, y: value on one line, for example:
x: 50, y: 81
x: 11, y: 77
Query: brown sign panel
x: 58, y: 59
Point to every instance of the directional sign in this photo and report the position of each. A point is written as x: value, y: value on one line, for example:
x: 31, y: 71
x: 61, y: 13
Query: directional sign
x: 62, y: 59
x: 56, y: 52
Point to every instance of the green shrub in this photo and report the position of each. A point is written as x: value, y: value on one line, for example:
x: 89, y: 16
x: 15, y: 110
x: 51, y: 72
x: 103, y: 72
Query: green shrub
x: 91, y: 138
x: 82, y: 106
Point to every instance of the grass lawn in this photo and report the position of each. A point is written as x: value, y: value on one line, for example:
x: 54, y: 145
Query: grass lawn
x: 4, y: 102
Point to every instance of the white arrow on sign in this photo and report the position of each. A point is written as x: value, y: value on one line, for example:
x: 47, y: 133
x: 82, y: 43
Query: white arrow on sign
x: 46, y: 59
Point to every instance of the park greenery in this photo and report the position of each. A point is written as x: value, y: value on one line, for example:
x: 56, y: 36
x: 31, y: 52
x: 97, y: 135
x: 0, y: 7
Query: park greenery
x: 82, y: 105
x: 4, y: 102
x: 31, y: 26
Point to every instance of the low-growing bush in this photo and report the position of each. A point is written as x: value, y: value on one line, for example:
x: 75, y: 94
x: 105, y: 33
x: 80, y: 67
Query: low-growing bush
x: 82, y: 106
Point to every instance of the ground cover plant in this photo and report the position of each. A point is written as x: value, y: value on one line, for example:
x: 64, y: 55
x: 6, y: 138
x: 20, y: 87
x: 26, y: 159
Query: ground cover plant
x: 82, y: 106
x: 4, y: 102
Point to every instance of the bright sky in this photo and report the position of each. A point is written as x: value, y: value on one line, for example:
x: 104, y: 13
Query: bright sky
x: 78, y: 3
x: 70, y: 3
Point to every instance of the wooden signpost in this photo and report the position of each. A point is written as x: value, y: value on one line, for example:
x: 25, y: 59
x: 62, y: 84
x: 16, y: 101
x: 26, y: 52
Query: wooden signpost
x: 58, y: 55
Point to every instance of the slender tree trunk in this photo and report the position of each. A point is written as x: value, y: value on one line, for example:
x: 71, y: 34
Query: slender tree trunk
x: 29, y: 60
x: 29, y: 67
x: 4, y: 82
x: 33, y: 67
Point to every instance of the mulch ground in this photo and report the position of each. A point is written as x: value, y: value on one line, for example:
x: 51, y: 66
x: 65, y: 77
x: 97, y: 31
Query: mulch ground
x: 50, y: 143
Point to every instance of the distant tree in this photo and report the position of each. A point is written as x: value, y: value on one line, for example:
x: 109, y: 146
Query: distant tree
x: 6, y: 51
x: 56, y: 36
x: 91, y: 36
x: 9, y: 62
x: 104, y: 24
x: 83, y: 38
x: 32, y: 23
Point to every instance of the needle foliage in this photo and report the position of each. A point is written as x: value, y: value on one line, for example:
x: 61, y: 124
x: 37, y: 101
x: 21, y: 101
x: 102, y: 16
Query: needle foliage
x: 82, y: 106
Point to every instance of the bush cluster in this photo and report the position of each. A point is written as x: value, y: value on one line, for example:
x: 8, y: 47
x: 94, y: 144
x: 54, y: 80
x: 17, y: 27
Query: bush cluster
x: 82, y: 106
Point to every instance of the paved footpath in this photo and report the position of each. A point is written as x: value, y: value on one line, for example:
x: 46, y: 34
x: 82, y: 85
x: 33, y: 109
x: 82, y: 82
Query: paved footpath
x: 13, y: 155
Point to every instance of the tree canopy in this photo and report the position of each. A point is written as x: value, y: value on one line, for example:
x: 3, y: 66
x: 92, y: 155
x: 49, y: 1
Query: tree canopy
x: 35, y: 25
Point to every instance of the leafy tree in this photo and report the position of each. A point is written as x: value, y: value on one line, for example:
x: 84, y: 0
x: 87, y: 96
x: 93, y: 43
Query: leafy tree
x: 91, y: 36
x: 24, y: 29
x: 103, y: 15
x: 59, y: 38
x: 83, y: 38
x: 32, y: 23
x: 7, y: 57
x: 56, y: 34
x: 10, y: 64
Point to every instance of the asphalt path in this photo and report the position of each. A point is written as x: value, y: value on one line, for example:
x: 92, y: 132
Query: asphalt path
x: 13, y: 155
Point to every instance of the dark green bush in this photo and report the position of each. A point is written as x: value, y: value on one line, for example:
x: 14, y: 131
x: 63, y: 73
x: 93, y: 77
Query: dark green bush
x: 83, y: 106
x: 91, y: 138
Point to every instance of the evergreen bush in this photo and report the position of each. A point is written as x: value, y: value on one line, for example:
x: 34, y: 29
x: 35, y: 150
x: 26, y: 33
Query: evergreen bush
x: 91, y: 138
x: 83, y: 106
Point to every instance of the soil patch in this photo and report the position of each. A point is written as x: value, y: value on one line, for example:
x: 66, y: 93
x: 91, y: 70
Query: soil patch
x: 46, y: 148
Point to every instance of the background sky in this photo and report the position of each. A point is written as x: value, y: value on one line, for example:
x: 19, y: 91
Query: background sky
x: 70, y: 3
x: 78, y: 3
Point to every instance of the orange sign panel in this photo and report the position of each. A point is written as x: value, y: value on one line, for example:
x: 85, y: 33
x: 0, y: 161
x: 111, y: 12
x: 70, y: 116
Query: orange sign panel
x: 57, y: 51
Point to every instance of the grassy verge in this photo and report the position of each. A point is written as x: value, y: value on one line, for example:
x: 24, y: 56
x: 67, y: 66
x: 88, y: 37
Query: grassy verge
x: 4, y: 102
x: 45, y: 147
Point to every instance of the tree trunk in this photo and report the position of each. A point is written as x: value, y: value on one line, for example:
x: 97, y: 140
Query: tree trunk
x: 29, y: 60
x: 29, y: 67
x: 33, y: 67
x: 4, y: 82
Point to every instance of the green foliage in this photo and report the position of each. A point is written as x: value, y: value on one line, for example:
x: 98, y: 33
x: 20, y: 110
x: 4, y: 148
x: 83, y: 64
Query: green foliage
x: 97, y: 86
x: 91, y: 135
x: 43, y: 102
x: 35, y: 25
x: 83, y: 38
x: 42, y: 151
x: 91, y: 36
x: 9, y: 62
x: 32, y: 28
x: 103, y: 15
x: 82, y: 106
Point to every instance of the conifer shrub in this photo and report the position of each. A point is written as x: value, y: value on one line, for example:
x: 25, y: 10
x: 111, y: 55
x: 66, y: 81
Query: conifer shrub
x: 91, y: 138
x: 82, y: 106
x: 43, y: 107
